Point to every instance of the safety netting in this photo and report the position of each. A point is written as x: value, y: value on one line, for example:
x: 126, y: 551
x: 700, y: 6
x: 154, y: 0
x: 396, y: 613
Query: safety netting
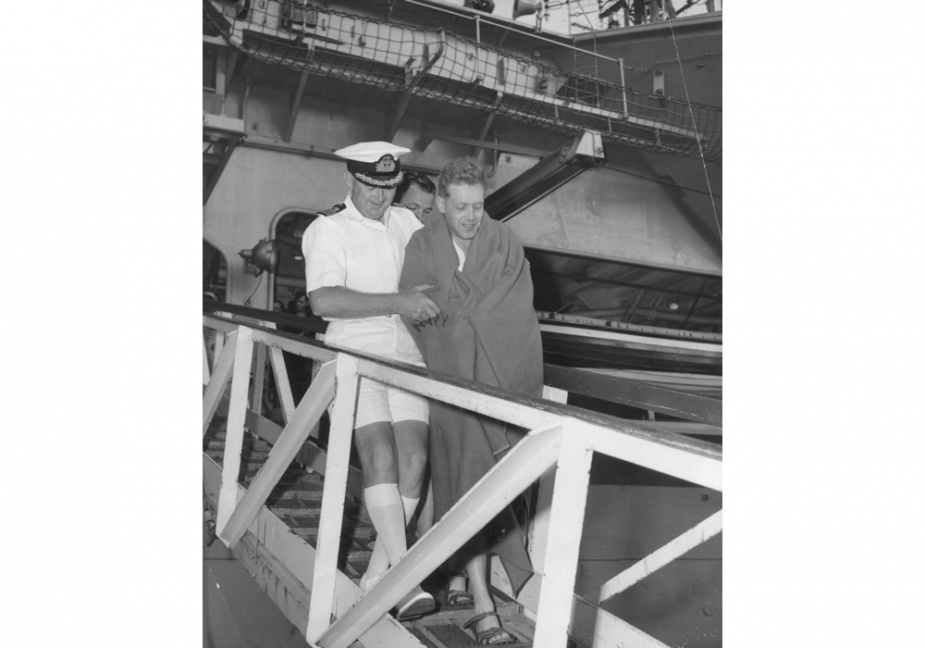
x: 439, y: 65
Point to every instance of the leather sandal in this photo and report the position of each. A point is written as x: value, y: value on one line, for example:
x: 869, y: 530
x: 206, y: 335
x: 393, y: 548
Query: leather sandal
x: 459, y: 598
x: 491, y: 636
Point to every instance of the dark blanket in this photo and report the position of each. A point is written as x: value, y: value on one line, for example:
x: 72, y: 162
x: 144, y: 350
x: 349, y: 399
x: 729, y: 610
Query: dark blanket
x: 487, y: 331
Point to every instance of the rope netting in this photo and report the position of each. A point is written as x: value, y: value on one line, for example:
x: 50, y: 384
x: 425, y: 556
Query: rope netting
x: 442, y: 66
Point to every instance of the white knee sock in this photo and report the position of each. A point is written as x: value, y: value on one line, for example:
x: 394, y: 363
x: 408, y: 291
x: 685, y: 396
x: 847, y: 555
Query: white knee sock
x: 409, y: 505
x: 386, y: 510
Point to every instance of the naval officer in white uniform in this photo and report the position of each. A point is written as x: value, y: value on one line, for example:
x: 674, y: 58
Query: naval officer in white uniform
x: 353, y: 260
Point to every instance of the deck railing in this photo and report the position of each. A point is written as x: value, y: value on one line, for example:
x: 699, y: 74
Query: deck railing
x: 431, y: 63
x: 560, y: 444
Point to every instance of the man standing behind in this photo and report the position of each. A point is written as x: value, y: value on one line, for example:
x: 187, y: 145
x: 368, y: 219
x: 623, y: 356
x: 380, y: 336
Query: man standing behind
x: 488, y: 332
x: 416, y: 192
x: 353, y: 259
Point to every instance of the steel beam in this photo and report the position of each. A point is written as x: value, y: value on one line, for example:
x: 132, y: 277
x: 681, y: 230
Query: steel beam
x: 547, y: 175
x: 296, y: 102
x: 500, y: 146
x: 399, y: 112
x: 230, y: 146
x: 579, y: 278
x: 663, y: 400
x: 486, y: 127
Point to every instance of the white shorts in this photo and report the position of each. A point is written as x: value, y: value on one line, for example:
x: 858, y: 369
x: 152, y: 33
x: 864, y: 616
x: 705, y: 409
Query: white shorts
x: 377, y: 402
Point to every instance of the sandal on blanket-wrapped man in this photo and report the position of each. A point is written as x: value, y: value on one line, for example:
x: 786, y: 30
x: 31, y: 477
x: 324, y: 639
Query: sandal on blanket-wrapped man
x: 456, y: 597
x: 496, y: 636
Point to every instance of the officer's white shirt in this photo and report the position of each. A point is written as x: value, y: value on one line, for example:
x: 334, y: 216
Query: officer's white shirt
x: 348, y: 249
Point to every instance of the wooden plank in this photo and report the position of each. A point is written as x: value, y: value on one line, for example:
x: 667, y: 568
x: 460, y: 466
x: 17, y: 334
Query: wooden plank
x: 218, y: 382
x: 315, y: 432
x: 301, y: 347
x: 283, y: 389
x: 529, y: 594
x: 672, y: 402
x: 521, y: 625
x: 220, y: 340
x: 311, y: 324
x: 222, y: 326
x: 260, y: 374
x: 681, y: 427
x: 536, y: 534
x: 298, y: 557
x: 234, y: 432
x: 564, y: 537
x: 510, y: 477
x: 284, y: 451
x: 205, y: 364
x: 335, y: 484
x: 705, y: 470
x: 555, y: 394
x: 662, y: 556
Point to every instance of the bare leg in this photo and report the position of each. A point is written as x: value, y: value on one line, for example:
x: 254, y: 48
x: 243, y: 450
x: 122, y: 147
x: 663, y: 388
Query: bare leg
x: 410, y: 438
x: 378, y: 459
x: 478, y: 586
x: 426, y: 518
x: 395, y: 455
x: 378, y: 453
x: 456, y: 568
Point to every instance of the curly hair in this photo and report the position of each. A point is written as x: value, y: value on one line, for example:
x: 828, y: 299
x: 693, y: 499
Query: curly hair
x: 465, y: 171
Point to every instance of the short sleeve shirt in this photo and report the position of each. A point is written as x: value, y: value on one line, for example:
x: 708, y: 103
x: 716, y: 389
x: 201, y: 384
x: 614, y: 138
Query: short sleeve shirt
x: 347, y: 249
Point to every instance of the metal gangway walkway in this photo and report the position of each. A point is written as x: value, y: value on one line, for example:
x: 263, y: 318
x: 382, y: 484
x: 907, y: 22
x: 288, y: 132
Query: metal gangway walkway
x: 310, y: 572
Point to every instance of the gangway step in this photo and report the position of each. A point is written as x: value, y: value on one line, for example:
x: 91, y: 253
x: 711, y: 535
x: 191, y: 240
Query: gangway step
x: 445, y: 628
x: 296, y: 500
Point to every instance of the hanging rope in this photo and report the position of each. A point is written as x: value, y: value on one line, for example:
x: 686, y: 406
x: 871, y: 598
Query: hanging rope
x: 249, y: 297
x: 694, y: 121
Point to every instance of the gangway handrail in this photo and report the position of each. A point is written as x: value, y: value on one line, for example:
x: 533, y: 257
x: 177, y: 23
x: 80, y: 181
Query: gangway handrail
x: 693, y: 407
x: 410, y: 377
x: 562, y: 436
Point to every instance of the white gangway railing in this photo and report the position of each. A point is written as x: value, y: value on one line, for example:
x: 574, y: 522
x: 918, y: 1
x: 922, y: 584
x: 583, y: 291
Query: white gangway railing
x: 561, y: 439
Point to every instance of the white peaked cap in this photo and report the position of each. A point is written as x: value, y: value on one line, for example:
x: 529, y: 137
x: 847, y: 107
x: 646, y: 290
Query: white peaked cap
x: 370, y: 152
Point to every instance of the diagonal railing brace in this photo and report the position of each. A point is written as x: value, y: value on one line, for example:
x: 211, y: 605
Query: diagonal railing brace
x: 511, y: 476
x: 307, y: 414
x: 662, y: 556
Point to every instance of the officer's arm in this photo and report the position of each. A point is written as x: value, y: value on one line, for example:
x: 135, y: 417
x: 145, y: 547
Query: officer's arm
x: 344, y: 303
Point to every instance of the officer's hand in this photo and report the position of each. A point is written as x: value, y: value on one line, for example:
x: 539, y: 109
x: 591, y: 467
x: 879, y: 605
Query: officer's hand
x: 418, y: 306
